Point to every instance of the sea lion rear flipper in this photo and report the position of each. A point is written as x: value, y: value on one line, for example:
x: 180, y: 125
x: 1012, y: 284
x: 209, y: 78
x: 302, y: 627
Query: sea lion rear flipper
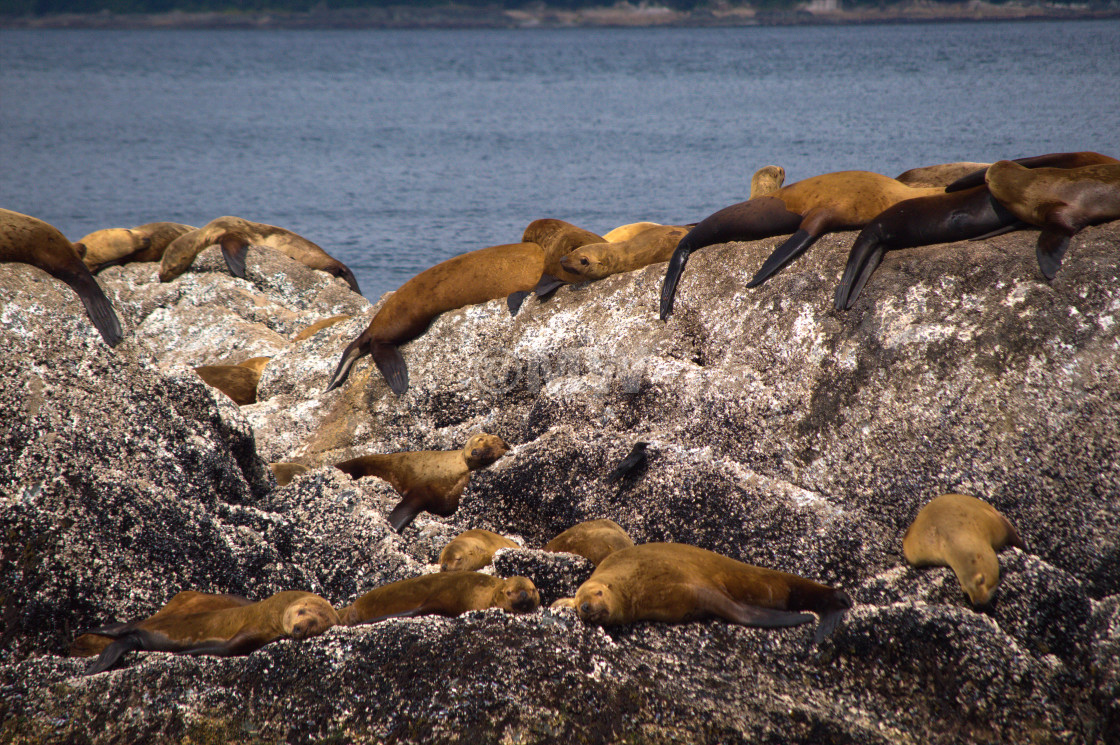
x: 673, y: 276
x: 392, y: 366
x: 745, y: 614
x: 350, y: 355
x: 404, y: 513
x: 794, y: 246
x: 514, y: 301
x: 234, y: 251
x: 1052, y: 246
x: 863, y: 259
x: 548, y: 285
x: 98, y: 307
x: 114, y: 652
x: 1017, y: 225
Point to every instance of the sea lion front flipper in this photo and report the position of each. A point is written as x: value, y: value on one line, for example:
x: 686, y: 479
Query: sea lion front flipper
x: 350, y: 355
x: 514, y: 301
x: 111, y: 629
x: 794, y: 246
x: 1051, y: 247
x: 392, y: 366
x: 547, y: 285
x: 243, y: 643
x: 745, y: 614
x: 234, y: 251
x: 863, y: 259
x: 405, y: 512
x: 114, y: 652
x: 828, y: 623
x: 97, y: 305
x: 673, y: 276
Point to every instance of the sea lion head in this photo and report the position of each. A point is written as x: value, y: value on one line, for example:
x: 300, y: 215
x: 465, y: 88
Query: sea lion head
x: 483, y: 449
x: 979, y: 576
x: 462, y: 556
x: 309, y: 616
x: 517, y: 595
x: 767, y: 180
x: 589, y: 262
x: 597, y: 603
x: 180, y: 253
x: 102, y: 246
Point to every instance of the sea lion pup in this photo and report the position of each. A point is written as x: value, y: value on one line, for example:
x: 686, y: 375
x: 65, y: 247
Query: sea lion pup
x: 940, y: 218
x: 29, y: 240
x: 239, y: 381
x: 225, y: 632
x: 235, y: 235
x: 808, y: 209
x: 284, y: 471
x: 767, y: 180
x: 941, y: 174
x: 443, y: 593
x: 594, y: 540
x: 1061, y: 201
x: 598, y: 260
x: 1077, y: 159
x: 429, y: 480
x: 469, y: 279
x: 89, y: 644
x: 116, y: 246
x: 675, y: 582
x: 963, y: 533
x: 557, y: 239
x: 472, y: 549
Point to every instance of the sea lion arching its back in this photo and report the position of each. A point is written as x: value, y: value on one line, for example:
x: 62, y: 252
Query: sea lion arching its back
x: 444, y: 594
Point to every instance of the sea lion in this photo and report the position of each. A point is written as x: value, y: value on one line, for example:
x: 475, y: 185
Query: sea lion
x: 230, y: 631
x: 472, y: 549
x: 183, y: 603
x: 627, y: 466
x: 557, y: 239
x: 598, y: 260
x: 428, y: 480
x: 628, y: 231
x: 308, y: 331
x: 1061, y: 201
x: 1050, y: 160
x: 594, y: 540
x: 444, y: 594
x: 767, y: 180
x: 285, y: 471
x: 940, y: 175
x: 808, y: 209
x: 235, y: 235
x: 29, y: 240
x: 963, y: 533
x: 239, y: 381
x: 115, y: 246
x: 675, y: 582
x: 469, y: 279
x: 940, y: 218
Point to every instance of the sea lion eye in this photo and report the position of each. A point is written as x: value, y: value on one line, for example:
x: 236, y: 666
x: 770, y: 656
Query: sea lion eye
x: 585, y: 262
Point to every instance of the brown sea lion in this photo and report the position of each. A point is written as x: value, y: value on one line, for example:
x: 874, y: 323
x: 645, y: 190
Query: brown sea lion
x: 594, y: 540
x: 628, y: 231
x: 599, y: 260
x: 428, y: 480
x: 469, y: 279
x: 225, y: 632
x: 472, y: 549
x: 675, y: 582
x: 963, y: 533
x: 767, y: 180
x: 115, y: 246
x: 285, y: 471
x: 558, y: 239
x: 29, y: 240
x: 1061, y: 201
x: 308, y: 331
x: 239, y: 381
x: 1050, y: 160
x: 444, y: 594
x: 808, y: 209
x: 183, y: 603
x: 940, y: 175
x: 235, y: 235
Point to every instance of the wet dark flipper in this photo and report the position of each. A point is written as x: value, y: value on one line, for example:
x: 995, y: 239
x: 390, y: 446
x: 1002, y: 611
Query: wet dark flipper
x: 794, y: 246
x: 1017, y: 225
x: 98, y: 307
x: 745, y: 614
x: 234, y: 252
x: 673, y: 276
x: 514, y: 301
x: 392, y: 366
x: 246, y: 642
x: 1052, y: 246
x: 863, y: 259
x: 114, y: 652
x: 350, y: 355
x: 548, y: 285
x: 404, y: 513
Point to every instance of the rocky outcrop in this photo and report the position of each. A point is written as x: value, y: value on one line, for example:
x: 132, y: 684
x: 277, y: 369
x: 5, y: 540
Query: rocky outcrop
x: 782, y: 432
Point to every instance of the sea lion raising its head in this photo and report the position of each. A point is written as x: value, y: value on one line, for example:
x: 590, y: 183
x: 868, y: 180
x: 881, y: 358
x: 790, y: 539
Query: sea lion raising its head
x: 228, y: 631
x: 598, y: 260
x: 767, y: 180
x: 472, y: 549
x: 963, y: 533
x: 115, y: 246
x: 428, y: 480
x: 29, y: 240
x: 675, y: 582
x: 594, y: 540
x: 444, y: 594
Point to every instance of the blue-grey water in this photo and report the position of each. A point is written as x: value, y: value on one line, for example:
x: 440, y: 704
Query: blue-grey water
x: 396, y: 149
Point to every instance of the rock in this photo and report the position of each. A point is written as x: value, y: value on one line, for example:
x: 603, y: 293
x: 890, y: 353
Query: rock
x: 782, y: 433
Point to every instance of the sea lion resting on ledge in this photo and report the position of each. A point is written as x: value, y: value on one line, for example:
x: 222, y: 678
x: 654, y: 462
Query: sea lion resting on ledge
x: 472, y: 549
x: 598, y: 260
x: 236, y: 629
x: 442, y: 593
x: 594, y: 540
x: 115, y: 246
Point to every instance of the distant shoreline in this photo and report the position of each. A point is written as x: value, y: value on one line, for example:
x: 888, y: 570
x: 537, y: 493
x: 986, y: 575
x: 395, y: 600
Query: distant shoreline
x: 619, y: 16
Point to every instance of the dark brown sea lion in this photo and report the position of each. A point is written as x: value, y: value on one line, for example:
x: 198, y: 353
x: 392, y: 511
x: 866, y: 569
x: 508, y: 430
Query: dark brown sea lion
x: 29, y: 240
x: 115, y: 246
x: 226, y: 632
x: 940, y: 175
x: 675, y: 582
x: 285, y: 471
x: 594, y: 540
x: 598, y: 260
x: 235, y: 235
x: 1050, y: 160
x: 964, y: 533
x: 428, y: 480
x: 808, y: 209
x: 444, y: 594
x: 1061, y: 201
x: 239, y: 381
x: 472, y: 549
x: 469, y: 279
x: 557, y: 239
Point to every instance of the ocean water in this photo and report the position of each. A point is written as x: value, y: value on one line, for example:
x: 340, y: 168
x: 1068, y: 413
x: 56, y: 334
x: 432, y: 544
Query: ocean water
x: 394, y: 150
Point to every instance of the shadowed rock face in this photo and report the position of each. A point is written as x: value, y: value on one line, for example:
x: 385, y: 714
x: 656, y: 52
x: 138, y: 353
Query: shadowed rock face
x: 782, y: 433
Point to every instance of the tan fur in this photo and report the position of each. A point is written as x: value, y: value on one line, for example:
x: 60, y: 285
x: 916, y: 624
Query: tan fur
x: 308, y: 331
x: 285, y: 471
x: 594, y: 540
x: 239, y: 382
x: 445, y: 594
x: 598, y: 260
x: 628, y: 231
x: 847, y: 199
x: 767, y: 180
x: 940, y: 175
x: 964, y: 533
x: 471, y: 550
x: 558, y: 239
x: 123, y: 245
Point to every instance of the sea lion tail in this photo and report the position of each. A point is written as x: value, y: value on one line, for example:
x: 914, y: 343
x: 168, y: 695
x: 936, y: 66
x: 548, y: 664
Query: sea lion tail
x: 673, y: 275
x: 113, y: 653
x: 350, y: 355
x: 864, y: 258
x: 547, y: 285
x: 1051, y: 247
x: 391, y: 364
x: 98, y: 307
x: 514, y: 301
x: 794, y: 246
